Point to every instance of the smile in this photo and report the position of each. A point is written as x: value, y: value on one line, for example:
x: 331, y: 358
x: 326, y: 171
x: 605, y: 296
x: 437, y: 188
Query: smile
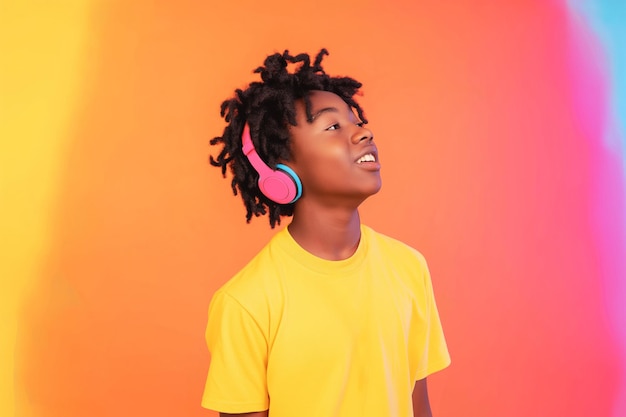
x: 366, y: 158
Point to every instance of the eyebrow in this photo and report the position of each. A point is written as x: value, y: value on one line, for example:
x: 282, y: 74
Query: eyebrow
x: 322, y: 111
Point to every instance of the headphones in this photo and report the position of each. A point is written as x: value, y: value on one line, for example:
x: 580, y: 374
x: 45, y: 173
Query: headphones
x: 281, y: 185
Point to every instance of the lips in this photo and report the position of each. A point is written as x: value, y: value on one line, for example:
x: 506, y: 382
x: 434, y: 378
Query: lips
x: 368, y: 155
x: 368, y: 160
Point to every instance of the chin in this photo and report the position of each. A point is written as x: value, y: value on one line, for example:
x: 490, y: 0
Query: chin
x: 377, y: 188
x: 372, y: 191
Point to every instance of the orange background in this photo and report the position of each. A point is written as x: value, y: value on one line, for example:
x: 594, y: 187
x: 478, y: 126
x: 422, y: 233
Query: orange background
x: 118, y: 231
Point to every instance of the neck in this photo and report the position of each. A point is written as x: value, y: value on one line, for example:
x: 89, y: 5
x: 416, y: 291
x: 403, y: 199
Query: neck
x: 328, y: 233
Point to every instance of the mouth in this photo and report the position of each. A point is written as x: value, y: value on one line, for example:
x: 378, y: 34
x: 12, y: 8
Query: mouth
x: 369, y: 160
x: 368, y: 157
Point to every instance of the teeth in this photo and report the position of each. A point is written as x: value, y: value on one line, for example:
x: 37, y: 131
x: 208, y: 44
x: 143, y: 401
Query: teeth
x: 366, y: 158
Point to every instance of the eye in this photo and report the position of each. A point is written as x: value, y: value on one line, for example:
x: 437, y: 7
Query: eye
x: 333, y: 127
x: 360, y: 124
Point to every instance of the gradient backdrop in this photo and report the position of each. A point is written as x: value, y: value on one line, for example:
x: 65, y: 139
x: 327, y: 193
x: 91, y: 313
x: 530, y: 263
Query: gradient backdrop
x: 501, y: 130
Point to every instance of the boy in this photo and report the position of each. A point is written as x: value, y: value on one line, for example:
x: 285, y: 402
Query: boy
x: 330, y: 318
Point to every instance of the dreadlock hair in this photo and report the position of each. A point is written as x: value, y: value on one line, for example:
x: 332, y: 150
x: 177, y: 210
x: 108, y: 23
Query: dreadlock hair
x: 269, y: 107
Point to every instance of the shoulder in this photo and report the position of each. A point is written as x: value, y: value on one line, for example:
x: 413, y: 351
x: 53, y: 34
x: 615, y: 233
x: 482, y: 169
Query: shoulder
x: 391, y: 247
x: 258, y: 281
x: 398, y: 262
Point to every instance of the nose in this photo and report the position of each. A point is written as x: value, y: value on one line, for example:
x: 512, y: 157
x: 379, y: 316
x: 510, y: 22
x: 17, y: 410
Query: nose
x: 362, y: 133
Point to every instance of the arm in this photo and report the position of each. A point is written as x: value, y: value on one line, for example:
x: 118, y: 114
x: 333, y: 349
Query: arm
x: 421, y: 405
x: 236, y: 382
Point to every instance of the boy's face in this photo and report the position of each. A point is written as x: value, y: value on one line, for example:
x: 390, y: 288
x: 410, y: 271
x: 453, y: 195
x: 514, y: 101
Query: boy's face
x: 334, y: 155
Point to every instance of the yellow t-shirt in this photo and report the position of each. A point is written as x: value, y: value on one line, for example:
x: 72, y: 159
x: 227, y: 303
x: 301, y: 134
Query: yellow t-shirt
x: 303, y: 336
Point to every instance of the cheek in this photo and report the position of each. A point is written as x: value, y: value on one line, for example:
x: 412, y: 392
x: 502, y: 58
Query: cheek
x: 328, y: 161
x: 327, y: 175
x: 331, y: 153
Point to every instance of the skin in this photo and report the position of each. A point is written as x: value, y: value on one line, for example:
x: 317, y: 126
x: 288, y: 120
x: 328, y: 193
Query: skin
x: 326, y: 220
x: 324, y: 153
x: 421, y: 403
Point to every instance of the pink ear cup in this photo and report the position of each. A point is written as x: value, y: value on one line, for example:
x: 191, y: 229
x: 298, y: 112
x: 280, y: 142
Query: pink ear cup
x: 282, y: 185
x: 278, y: 187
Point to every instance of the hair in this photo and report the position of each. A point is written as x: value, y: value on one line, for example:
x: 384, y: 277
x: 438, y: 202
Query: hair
x: 268, y: 107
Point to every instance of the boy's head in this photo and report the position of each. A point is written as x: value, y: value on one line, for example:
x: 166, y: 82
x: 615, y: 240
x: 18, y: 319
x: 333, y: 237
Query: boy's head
x: 275, y: 111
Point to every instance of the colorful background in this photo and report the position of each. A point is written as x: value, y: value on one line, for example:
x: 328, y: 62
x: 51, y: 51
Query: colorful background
x: 502, y: 135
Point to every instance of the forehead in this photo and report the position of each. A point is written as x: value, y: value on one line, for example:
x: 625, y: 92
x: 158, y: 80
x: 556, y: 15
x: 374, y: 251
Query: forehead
x: 320, y: 101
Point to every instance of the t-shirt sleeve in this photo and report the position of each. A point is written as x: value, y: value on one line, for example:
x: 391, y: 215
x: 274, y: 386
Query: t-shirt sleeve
x: 432, y: 350
x: 236, y: 381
